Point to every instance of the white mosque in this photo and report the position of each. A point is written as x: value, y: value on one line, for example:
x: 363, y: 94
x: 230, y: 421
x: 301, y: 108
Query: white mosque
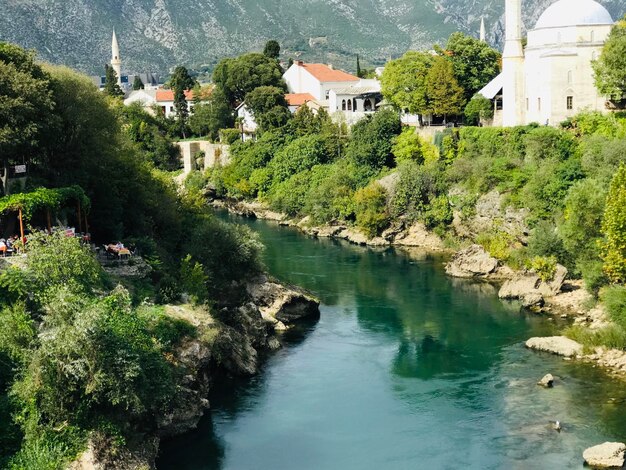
x: 551, y: 78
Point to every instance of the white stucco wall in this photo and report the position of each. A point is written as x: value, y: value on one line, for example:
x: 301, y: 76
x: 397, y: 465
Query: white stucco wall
x: 558, y: 65
x: 298, y: 80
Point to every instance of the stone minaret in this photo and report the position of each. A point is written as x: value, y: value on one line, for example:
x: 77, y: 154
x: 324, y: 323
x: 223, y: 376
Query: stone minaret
x: 116, y: 62
x: 513, y: 107
x: 483, y: 34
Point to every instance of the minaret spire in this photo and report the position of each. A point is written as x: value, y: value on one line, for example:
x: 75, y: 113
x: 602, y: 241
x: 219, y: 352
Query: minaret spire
x: 483, y: 33
x: 116, y: 61
x: 513, y: 109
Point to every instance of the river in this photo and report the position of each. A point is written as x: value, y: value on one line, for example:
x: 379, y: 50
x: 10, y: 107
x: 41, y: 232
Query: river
x: 406, y: 369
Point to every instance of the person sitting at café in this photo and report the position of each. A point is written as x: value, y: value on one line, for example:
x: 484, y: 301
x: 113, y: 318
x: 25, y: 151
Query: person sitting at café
x: 3, y: 247
x: 119, y: 246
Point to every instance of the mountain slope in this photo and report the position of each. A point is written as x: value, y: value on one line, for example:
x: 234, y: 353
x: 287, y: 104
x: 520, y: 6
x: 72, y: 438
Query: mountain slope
x: 158, y: 34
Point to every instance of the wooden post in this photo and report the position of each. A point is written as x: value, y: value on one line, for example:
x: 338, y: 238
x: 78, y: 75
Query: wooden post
x: 22, y: 228
x: 49, y: 220
x: 80, y: 218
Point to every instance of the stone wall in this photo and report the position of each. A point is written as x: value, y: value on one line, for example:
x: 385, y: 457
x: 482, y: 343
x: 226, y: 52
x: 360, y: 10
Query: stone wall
x: 213, y: 154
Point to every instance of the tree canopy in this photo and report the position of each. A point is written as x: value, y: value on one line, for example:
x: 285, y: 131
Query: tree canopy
x: 404, y: 81
x: 240, y: 75
x: 272, y: 49
x: 111, y: 87
x: 610, y: 68
x: 27, y: 104
x: 475, y: 62
x: 180, y: 82
x: 269, y: 107
x: 445, y: 95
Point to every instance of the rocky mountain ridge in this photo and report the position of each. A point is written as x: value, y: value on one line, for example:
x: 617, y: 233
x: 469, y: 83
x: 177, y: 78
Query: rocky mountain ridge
x: 158, y: 34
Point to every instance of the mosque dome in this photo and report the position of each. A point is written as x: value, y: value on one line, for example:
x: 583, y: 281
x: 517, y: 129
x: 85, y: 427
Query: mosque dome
x: 565, y: 13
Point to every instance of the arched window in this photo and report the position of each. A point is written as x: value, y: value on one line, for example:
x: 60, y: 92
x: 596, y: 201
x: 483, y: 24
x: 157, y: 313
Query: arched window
x: 349, y: 105
x: 354, y: 104
x: 343, y: 105
x: 569, y: 77
x: 367, y: 105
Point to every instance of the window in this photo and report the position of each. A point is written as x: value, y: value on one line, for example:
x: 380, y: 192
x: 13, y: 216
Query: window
x: 570, y: 102
x: 326, y: 94
x: 343, y: 105
x: 354, y: 104
x: 538, y: 104
x: 349, y: 105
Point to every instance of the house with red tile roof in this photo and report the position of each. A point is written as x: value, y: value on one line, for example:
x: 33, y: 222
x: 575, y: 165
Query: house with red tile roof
x: 161, y: 97
x: 316, y: 79
x: 295, y: 100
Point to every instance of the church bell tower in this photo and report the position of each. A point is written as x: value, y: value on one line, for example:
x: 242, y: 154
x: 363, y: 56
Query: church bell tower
x: 513, y: 109
x: 116, y: 62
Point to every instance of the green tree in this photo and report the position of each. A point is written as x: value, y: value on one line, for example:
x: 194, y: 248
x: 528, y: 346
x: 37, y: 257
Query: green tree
x: 358, y: 67
x: 371, y: 209
x: 372, y: 139
x: 181, y: 82
x: 137, y: 83
x: 111, y: 87
x: 269, y: 107
x: 272, y: 49
x: 475, y: 63
x: 26, y: 110
x: 478, y: 108
x: 610, y: 68
x: 212, y: 115
x: 404, y: 82
x: 239, y: 76
x: 614, y: 228
x: 445, y: 95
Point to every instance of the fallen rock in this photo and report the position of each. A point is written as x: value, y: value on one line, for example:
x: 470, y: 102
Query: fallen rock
x: 559, y: 345
x: 547, y: 381
x: 473, y: 261
x: 279, y: 303
x: 418, y: 235
x: 530, y: 289
x: 607, y: 455
x: 532, y: 299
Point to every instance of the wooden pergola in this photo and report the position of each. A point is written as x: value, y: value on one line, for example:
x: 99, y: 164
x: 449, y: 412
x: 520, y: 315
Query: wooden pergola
x: 26, y: 204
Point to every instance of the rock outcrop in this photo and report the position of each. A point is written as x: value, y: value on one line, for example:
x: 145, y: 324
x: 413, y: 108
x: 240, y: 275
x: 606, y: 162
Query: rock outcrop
x: 559, y: 345
x: 530, y: 289
x: 472, y: 262
x: 280, y: 303
x: 607, y: 455
x: 417, y: 235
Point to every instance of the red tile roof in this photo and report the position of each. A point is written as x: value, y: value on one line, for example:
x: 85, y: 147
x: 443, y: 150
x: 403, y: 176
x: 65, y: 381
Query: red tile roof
x: 168, y: 95
x: 325, y: 74
x: 298, y: 99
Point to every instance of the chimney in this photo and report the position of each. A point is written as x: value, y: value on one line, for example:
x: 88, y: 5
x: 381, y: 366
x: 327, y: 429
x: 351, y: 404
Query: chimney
x: 330, y: 66
x: 300, y: 63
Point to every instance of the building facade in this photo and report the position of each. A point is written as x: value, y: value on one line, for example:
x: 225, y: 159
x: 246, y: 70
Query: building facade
x: 552, y: 78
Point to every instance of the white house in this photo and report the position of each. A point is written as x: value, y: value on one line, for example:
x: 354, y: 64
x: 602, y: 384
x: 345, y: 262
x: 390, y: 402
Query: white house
x: 247, y: 123
x: 296, y: 100
x: 551, y: 78
x: 162, y: 98
x: 356, y: 100
x: 316, y: 79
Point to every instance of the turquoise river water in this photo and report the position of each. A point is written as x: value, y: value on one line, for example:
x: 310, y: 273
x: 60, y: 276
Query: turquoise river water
x: 406, y: 369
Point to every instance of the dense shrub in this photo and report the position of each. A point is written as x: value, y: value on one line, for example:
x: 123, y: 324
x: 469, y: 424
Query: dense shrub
x: 370, y: 208
x: 614, y: 228
x: 614, y: 300
x: 301, y: 154
x: 372, y: 139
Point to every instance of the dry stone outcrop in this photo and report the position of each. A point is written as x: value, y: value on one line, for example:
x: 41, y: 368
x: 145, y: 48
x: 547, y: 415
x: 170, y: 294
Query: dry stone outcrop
x: 473, y: 261
x: 607, y: 455
x: 559, y: 345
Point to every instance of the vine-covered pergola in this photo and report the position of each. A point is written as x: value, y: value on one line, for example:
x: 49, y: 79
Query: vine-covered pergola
x: 26, y: 204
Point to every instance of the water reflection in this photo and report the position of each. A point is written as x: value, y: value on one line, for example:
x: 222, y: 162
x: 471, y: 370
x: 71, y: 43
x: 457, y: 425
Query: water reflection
x: 407, y: 368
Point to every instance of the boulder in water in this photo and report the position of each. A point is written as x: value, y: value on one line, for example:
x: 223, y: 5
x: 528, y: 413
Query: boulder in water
x: 547, y: 381
x: 607, y: 455
x: 559, y: 345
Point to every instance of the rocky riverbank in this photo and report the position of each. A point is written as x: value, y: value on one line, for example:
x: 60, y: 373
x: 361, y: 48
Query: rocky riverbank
x: 231, y: 341
x: 556, y: 296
